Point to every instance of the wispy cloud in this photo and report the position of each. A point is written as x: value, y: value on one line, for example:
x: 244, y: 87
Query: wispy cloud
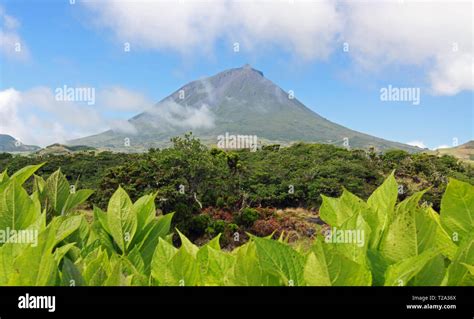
x: 12, y: 46
x: 418, y: 143
x: 177, y: 115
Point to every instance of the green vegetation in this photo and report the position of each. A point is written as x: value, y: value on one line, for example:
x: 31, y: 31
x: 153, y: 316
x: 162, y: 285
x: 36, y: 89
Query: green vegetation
x: 375, y: 242
x: 212, y: 191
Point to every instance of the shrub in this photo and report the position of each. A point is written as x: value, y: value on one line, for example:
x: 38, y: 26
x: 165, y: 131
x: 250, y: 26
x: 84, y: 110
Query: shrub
x: 248, y: 216
x: 216, y: 227
x: 199, y: 224
x: 232, y: 228
x: 220, y: 203
x: 265, y: 227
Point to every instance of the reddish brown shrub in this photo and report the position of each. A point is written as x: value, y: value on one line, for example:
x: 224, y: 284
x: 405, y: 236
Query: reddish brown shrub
x: 265, y: 227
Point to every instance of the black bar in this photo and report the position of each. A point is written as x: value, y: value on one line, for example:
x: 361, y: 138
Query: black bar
x: 82, y: 300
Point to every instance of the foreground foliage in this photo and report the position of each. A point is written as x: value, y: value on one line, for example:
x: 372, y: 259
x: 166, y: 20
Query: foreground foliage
x: 405, y: 243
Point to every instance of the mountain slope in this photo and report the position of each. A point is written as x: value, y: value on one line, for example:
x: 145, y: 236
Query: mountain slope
x: 238, y: 101
x: 60, y: 149
x: 10, y: 144
x: 464, y: 151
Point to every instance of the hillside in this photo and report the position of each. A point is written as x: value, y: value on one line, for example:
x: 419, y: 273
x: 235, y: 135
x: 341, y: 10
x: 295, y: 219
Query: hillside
x: 239, y: 101
x: 60, y: 149
x: 464, y: 151
x: 11, y: 145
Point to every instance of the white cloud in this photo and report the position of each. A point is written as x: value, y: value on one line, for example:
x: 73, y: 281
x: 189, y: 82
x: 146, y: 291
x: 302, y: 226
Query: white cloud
x: 442, y: 146
x: 306, y: 28
x: 11, y: 44
x: 418, y: 143
x: 36, y: 117
x: 178, y: 115
x: 123, y: 126
x: 121, y: 99
x: 379, y: 33
x: 196, y: 26
x: 435, y: 36
x: 453, y: 74
x: 77, y: 114
x: 174, y: 25
x: 10, y: 122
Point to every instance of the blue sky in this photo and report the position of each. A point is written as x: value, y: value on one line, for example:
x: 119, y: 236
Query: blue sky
x: 82, y: 45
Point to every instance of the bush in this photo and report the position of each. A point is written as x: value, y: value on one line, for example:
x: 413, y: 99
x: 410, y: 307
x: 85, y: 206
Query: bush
x: 183, y: 215
x: 220, y: 203
x: 216, y: 227
x: 232, y: 228
x: 265, y: 227
x: 199, y: 224
x: 248, y: 216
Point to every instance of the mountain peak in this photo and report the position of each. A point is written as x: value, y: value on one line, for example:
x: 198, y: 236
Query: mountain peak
x: 248, y: 67
x: 239, y: 100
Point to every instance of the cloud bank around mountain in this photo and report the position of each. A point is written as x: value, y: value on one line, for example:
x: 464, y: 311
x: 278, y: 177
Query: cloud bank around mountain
x: 36, y: 116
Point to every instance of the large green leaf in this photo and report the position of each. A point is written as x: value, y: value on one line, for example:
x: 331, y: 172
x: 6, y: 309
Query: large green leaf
x: 326, y: 267
x: 214, y: 264
x: 400, y: 273
x: 57, y: 191
x: 281, y: 260
x: 432, y: 273
x: 458, y: 273
x: 247, y: 270
x: 160, y: 269
x: 75, y: 199
x: 443, y: 241
x: 187, y: 245
x: 159, y: 228
x: 96, y: 268
x: 101, y: 217
x: 38, y: 186
x: 17, y: 209
x: 144, y: 209
x: 116, y: 277
x: 70, y: 274
x: 121, y: 221
x: 410, y: 233
x: 351, y: 239
x: 4, y: 177
x: 23, y: 174
x: 382, y: 202
x: 66, y: 226
x: 336, y: 211
x: 216, y: 267
x: 457, y: 209
x: 184, y: 268
x: 8, y: 252
x: 36, y: 265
